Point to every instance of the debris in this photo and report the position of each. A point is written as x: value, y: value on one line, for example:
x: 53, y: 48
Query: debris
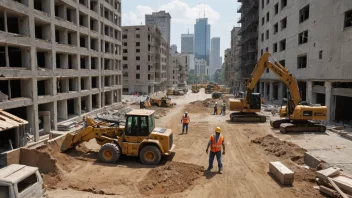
x: 67, y: 126
x: 282, y: 173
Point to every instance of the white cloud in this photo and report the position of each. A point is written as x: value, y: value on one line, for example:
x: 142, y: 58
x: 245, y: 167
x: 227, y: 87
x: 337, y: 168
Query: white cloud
x: 180, y: 12
x: 136, y: 17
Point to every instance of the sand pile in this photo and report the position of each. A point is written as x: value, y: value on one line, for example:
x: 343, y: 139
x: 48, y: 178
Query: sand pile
x: 281, y: 149
x: 171, y: 178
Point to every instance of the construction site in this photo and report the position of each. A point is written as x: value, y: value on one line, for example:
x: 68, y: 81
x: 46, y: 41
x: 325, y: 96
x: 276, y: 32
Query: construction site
x: 251, y: 148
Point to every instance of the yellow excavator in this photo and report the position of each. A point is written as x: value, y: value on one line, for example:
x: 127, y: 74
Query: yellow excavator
x: 139, y: 137
x: 296, y: 116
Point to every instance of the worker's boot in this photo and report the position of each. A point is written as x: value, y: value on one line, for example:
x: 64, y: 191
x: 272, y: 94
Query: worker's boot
x: 220, y: 170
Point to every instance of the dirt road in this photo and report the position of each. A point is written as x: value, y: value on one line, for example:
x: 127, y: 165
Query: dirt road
x: 245, y: 163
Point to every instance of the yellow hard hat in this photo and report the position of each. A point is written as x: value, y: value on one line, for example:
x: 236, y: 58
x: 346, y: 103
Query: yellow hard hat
x: 218, y: 129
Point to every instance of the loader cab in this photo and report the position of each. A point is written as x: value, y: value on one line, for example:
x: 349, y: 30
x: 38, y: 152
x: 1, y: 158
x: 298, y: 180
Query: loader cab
x: 139, y: 124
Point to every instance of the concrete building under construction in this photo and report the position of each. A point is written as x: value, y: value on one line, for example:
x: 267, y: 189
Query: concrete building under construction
x: 311, y: 39
x: 249, y: 38
x: 58, y: 58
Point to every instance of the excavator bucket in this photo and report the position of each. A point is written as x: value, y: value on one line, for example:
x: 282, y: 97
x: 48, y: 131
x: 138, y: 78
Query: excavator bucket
x: 67, y: 143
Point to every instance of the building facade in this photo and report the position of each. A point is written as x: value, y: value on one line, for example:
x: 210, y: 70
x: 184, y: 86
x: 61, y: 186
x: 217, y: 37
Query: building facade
x: 226, y: 66
x: 202, y: 39
x: 249, y: 37
x: 61, y: 58
x: 180, y: 64
x: 187, y: 44
x: 297, y: 35
x: 161, y: 19
x: 201, y: 67
x: 144, y: 59
x: 215, y: 59
x: 236, y: 83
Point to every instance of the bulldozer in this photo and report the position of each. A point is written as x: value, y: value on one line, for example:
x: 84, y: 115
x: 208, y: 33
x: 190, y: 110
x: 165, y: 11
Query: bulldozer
x: 162, y: 102
x: 139, y: 137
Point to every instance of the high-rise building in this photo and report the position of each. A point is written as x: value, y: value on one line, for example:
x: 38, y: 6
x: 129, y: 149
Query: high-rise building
x: 314, y: 46
x: 215, y: 59
x: 144, y: 59
x: 62, y: 59
x: 202, y: 39
x: 173, y: 50
x: 161, y: 19
x: 187, y: 43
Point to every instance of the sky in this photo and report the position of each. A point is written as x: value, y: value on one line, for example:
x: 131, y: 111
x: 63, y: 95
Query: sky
x: 222, y: 16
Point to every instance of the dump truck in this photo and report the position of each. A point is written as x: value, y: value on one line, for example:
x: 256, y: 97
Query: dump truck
x: 139, y: 137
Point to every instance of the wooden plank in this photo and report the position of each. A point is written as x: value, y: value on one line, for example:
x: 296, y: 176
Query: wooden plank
x: 281, y: 172
x: 337, y: 188
x: 328, y: 191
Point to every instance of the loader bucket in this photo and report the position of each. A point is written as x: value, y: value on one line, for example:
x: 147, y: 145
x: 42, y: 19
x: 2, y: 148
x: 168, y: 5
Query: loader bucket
x: 67, y: 143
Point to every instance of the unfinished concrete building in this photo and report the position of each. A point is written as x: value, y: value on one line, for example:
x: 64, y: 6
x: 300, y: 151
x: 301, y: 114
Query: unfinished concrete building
x: 145, y: 57
x: 179, y: 65
x: 319, y: 55
x: 59, y: 58
x: 249, y: 37
x: 235, y: 74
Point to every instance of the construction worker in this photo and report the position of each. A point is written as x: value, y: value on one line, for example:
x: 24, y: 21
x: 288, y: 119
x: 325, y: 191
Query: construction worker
x: 223, y: 108
x: 185, y: 120
x: 215, y: 143
x: 216, y: 108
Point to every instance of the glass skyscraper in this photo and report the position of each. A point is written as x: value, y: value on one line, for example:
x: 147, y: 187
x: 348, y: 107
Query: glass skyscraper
x: 202, y: 39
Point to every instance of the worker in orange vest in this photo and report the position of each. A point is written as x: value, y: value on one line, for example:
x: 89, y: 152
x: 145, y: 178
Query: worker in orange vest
x: 185, y: 120
x: 215, y: 143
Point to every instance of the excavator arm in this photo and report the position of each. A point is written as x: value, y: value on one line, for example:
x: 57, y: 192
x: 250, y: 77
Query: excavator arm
x: 282, y: 73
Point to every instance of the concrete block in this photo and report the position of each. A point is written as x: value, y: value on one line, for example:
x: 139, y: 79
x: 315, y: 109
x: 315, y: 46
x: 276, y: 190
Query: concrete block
x: 10, y: 157
x: 310, y: 160
x: 329, y: 172
x: 281, y: 173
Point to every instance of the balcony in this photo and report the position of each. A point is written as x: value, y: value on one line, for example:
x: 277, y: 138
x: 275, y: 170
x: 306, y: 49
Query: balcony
x: 239, y: 9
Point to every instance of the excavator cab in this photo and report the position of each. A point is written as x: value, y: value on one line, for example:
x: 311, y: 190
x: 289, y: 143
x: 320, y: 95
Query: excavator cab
x: 255, y: 101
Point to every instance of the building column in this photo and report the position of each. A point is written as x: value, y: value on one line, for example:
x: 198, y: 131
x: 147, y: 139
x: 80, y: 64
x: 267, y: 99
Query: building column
x: 280, y: 91
x: 271, y: 91
x: 329, y: 102
x: 309, y: 91
x: 265, y: 90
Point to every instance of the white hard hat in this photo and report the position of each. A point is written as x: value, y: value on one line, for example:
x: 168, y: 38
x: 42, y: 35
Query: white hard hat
x: 186, y: 112
x: 216, y: 102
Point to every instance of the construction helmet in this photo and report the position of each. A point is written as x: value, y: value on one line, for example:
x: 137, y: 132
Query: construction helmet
x: 218, y: 129
x: 186, y: 112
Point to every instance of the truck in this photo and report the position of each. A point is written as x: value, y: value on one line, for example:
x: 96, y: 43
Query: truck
x: 21, y: 181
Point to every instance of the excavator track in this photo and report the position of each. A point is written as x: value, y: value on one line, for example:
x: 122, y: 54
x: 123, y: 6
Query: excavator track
x: 247, y: 117
x: 287, y: 126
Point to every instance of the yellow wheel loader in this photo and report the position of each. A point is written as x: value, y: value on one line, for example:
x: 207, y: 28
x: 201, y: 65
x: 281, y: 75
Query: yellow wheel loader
x: 139, y: 137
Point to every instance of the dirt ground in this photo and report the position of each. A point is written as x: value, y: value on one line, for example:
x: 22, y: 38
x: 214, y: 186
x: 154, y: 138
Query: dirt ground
x: 246, y: 163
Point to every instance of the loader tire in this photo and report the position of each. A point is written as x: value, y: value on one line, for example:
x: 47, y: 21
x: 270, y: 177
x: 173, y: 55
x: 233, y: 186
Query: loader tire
x: 150, y: 155
x: 109, y: 153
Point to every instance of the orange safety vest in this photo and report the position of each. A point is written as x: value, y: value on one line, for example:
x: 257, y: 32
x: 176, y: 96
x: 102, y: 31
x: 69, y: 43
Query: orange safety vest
x: 185, y: 120
x: 216, y: 146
